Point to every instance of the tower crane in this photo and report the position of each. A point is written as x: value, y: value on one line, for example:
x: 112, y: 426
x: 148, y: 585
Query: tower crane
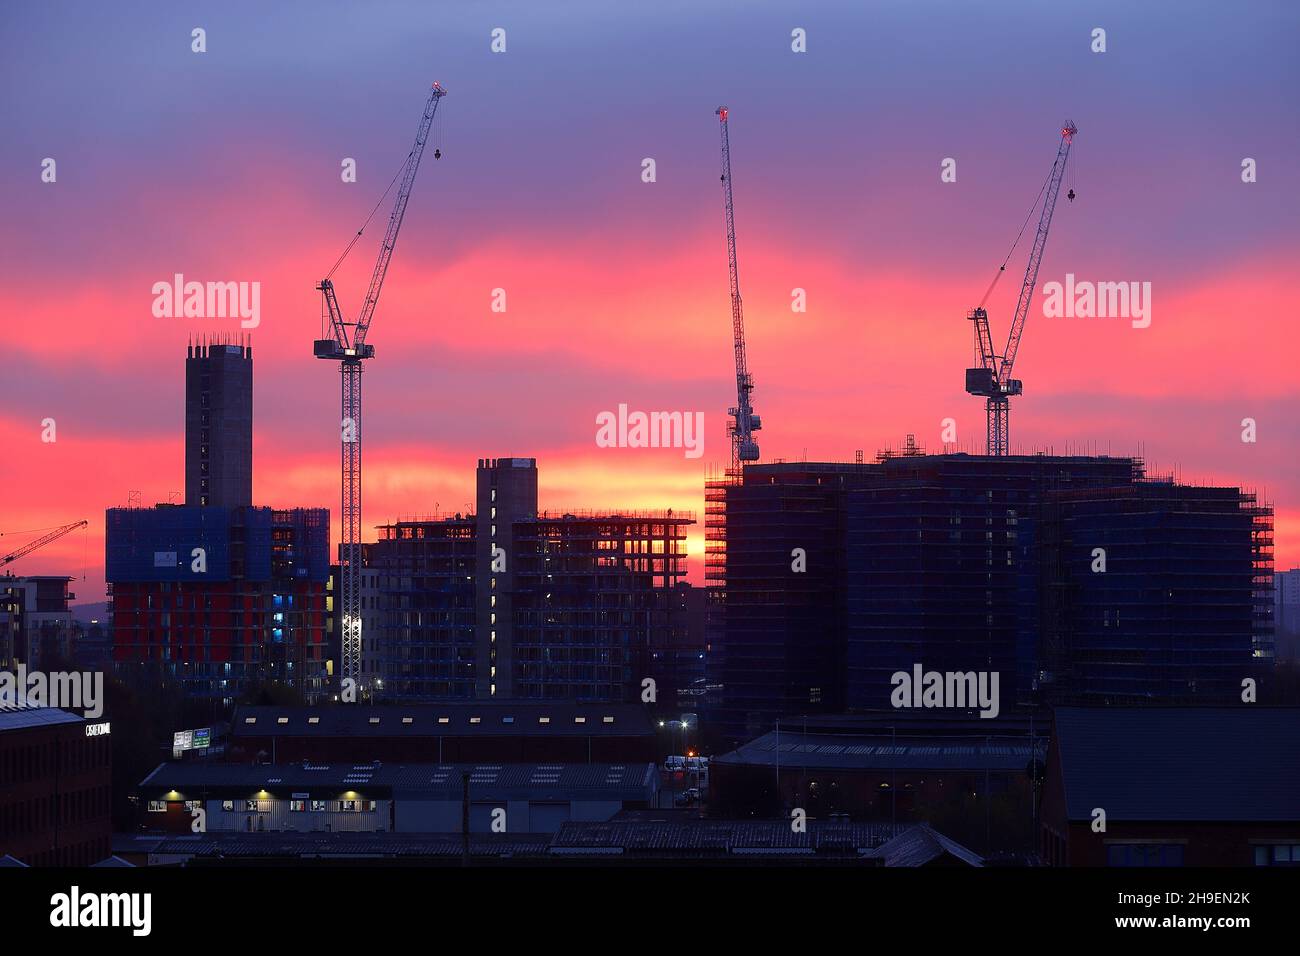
x: 348, y: 346
x: 992, y: 377
x: 42, y: 541
x: 744, y: 422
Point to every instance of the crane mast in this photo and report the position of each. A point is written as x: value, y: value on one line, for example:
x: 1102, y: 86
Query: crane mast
x: 992, y: 377
x: 744, y: 422
x: 348, y: 346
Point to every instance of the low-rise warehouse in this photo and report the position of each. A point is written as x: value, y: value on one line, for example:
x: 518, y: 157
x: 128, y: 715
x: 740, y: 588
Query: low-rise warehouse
x: 375, y: 797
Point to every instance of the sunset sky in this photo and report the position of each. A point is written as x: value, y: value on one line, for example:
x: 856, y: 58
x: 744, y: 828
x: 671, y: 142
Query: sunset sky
x: 225, y: 166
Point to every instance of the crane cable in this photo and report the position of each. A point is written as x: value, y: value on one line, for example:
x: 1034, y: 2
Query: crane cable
x: 31, y: 530
x: 437, y: 122
x: 1002, y: 268
x: 344, y: 255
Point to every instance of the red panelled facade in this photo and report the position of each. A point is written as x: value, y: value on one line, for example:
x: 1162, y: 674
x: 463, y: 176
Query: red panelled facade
x: 218, y: 638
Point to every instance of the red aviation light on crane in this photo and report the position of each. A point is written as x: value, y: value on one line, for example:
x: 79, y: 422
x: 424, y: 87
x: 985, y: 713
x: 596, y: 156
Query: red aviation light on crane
x: 722, y: 113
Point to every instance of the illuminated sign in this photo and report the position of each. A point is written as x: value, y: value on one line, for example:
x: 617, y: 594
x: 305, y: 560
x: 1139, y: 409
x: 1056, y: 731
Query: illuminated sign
x: 97, y: 730
x: 183, y: 740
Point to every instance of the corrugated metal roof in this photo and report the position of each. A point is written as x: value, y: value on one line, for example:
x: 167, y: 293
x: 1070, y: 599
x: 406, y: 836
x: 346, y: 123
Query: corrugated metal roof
x: 723, y: 836
x: 919, y: 845
x: 235, y: 846
x: 901, y: 845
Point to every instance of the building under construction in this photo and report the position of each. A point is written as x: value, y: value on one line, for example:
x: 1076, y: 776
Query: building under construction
x: 219, y: 595
x: 252, y: 612
x: 839, y: 575
x: 515, y: 603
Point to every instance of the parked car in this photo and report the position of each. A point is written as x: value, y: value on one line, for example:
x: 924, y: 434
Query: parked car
x: 687, y: 798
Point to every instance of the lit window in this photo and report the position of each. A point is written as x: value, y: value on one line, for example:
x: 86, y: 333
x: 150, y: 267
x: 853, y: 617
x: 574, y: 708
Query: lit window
x: 444, y: 720
x: 282, y: 720
x: 250, y: 720
x: 507, y: 720
x: 374, y: 720
x: 313, y: 720
x: 476, y: 720
x: 608, y: 720
x: 543, y: 720
x: 579, y: 720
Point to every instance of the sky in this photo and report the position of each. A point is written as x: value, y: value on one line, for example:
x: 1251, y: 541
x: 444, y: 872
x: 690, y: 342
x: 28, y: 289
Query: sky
x: 225, y: 165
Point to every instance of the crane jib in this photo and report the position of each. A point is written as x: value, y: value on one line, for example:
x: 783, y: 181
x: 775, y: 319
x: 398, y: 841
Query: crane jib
x: 744, y: 422
x: 1036, y: 256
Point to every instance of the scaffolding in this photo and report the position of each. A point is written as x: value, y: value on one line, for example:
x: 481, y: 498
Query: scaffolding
x: 716, y: 485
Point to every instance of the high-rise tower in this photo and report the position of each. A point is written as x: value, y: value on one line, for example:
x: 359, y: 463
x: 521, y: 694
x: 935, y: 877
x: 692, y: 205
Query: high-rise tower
x: 507, y: 493
x: 219, y: 425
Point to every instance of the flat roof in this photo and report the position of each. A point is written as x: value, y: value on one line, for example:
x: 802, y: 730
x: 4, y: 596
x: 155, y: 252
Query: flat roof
x: 23, y: 716
x: 884, y: 752
x: 1181, y: 763
x: 194, y: 779
x: 459, y: 718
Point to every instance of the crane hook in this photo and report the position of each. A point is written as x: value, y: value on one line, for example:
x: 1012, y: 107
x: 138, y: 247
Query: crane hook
x: 437, y: 153
x: 1070, y: 195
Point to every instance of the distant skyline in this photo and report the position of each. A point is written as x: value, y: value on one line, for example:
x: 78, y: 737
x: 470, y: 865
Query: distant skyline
x: 225, y: 166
